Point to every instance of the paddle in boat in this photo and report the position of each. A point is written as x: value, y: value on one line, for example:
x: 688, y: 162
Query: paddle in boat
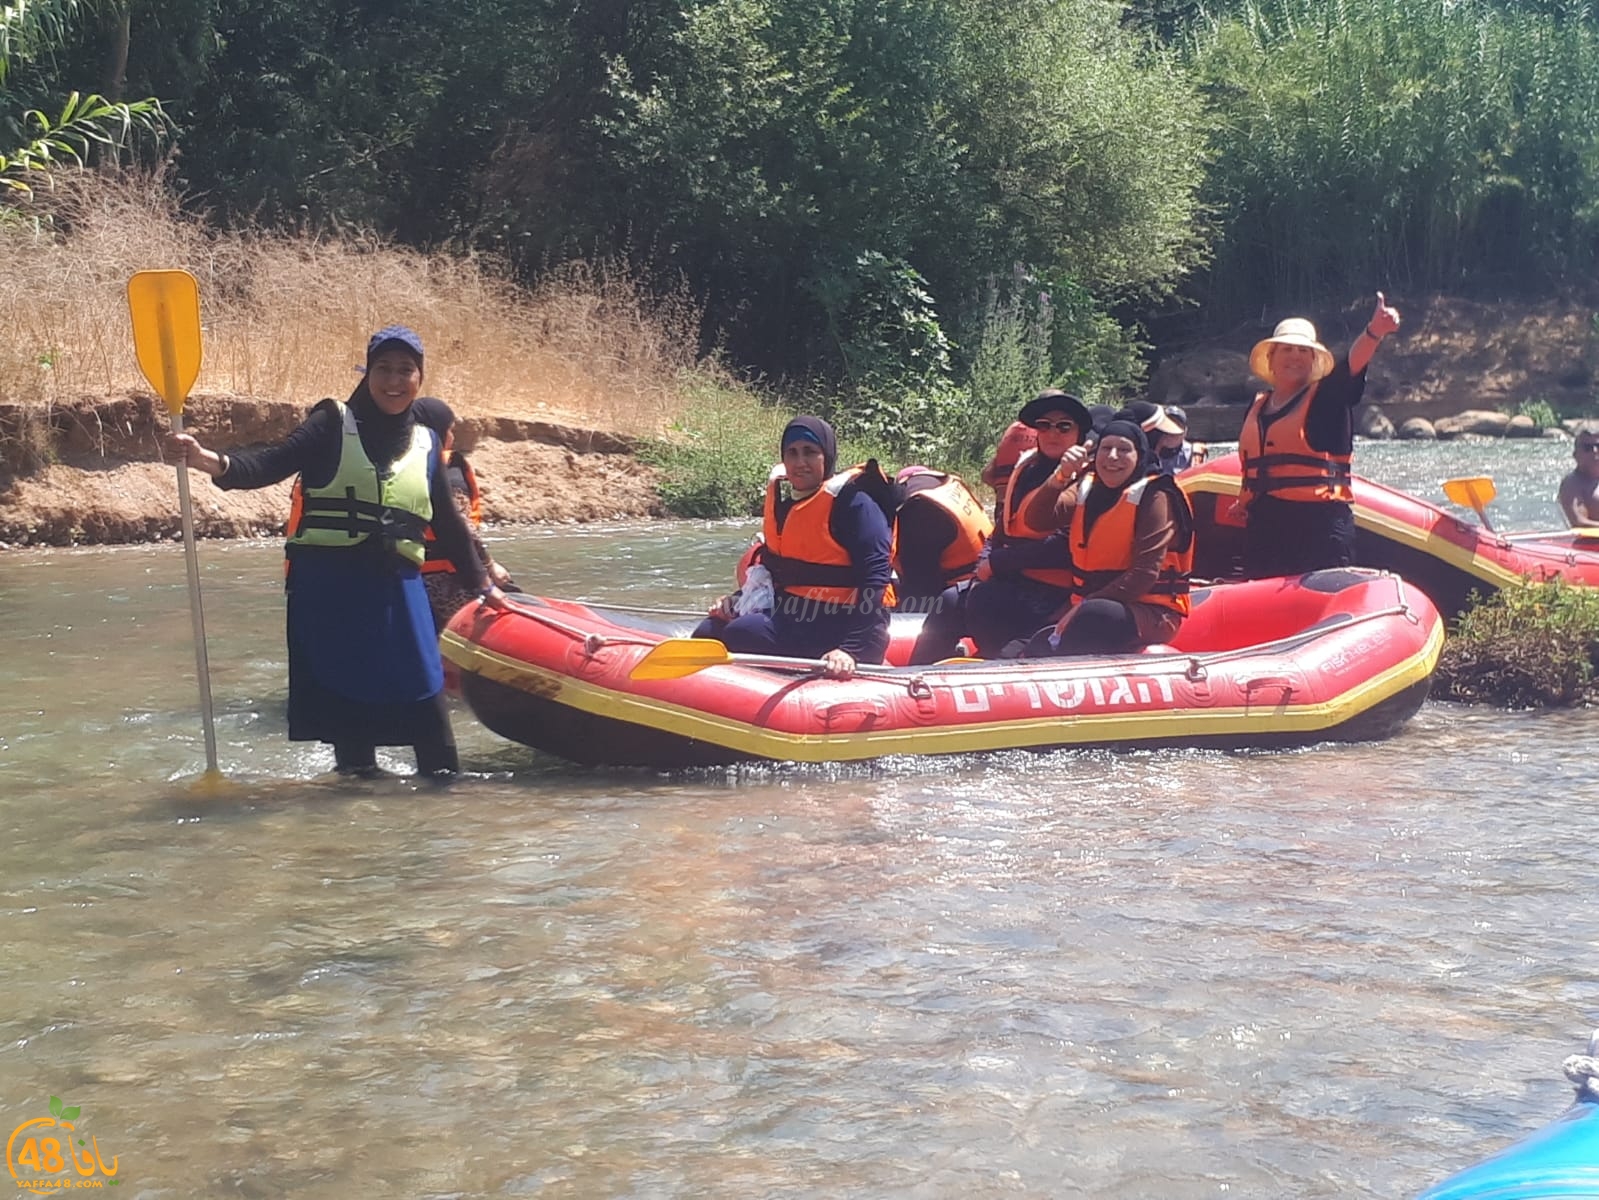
x: 1558, y: 1162
x: 1333, y: 655
x: 1441, y: 554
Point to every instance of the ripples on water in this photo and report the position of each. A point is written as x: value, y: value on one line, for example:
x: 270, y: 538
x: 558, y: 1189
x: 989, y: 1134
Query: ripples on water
x: 1342, y: 971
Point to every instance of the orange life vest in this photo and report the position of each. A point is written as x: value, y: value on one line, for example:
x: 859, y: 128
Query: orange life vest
x: 804, y: 557
x: 972, y: 527
x: 436, y: 560
x: 1102, y: 553
x: 1279, y: 460
x: 1015, y: 529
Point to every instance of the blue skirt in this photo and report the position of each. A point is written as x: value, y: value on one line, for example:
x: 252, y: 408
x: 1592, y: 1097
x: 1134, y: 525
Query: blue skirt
x: 364, y: 660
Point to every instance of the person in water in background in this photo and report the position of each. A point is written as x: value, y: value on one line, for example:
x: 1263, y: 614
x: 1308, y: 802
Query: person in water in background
x: 364, y: 666
x: 1022, y: 579
x: 827, y: 542
x: 940, y: 533
x: 1132, y: 548
x: 445, y: 591
x: 1579, y: 491
x: 1296, y: 448
x: 1174, y: 451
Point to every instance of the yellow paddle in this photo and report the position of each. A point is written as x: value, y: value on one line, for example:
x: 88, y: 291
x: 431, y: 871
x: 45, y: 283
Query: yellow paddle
x: 677, y: 657
x: 165, y: 306
x: 1476, y: 493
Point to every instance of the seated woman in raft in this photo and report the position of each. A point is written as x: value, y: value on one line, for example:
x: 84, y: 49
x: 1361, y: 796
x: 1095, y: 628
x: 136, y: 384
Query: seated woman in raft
x: 827, y: 546
x: 1131, y: 534
x: 1022, y: 577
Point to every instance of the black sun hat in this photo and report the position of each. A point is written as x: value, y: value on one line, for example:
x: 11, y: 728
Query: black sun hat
x: 1055, y: 400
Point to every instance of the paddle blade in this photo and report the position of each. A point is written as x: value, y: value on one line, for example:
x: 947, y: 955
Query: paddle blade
x: 165, y: 306
x: 677, y: 657
x: 1475, y: 493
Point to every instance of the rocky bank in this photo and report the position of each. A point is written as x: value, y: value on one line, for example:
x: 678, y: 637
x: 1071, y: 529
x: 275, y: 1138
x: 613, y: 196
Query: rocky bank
x: 93, y: 470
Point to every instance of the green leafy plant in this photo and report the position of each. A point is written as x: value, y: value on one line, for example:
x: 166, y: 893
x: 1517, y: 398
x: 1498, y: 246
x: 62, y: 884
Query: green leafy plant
x: 62, y: 1113
x: 1542, y: 412
x: 1533, y: 646
x: 83, y: 123
x: 34, y: 29
x: 716, y: 458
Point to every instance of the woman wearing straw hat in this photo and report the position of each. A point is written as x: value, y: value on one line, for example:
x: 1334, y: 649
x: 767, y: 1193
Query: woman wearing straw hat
x: 1296, y: 446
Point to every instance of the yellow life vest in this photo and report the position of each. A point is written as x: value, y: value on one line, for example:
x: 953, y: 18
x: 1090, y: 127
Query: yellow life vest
x: 359, y: 501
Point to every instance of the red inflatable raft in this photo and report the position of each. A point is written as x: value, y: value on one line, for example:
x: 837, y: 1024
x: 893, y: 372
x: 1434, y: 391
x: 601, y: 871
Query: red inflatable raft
x: 1336, y: 655
x: 1441, y: 554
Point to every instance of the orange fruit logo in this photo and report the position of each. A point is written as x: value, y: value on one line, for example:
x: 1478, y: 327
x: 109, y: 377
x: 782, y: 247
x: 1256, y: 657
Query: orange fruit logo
x: 46, y: 1153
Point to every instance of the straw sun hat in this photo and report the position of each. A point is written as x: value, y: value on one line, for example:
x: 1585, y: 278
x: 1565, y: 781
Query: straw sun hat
x: 1295, y: 331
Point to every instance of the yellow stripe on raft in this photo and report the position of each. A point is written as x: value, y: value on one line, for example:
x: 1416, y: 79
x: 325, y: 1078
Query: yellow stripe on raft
x: 1026, y: 733
x: 1430, y: 542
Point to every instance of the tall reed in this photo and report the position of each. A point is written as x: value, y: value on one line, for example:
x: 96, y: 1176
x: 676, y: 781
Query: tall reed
x: 1407, y: 143
x: 286, y: 317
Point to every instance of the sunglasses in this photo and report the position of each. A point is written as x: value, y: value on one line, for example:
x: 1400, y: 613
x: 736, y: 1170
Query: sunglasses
x: 1056, y: 426
x: 1588, y: 446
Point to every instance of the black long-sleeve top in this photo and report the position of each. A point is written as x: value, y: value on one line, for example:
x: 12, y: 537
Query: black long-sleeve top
x: 312, y: 451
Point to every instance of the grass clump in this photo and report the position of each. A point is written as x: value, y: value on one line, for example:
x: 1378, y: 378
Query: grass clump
x: 717, y: 453
x: 1543, y: 413
x: 1535, y: 646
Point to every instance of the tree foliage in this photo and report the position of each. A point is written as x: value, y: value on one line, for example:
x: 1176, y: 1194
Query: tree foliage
x: 930, y: 207
x: 32, y: 140
x: 1417, y: 142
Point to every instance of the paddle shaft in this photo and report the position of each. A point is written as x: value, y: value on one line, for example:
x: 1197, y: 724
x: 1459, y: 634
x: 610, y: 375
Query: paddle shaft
x: 191, y: 558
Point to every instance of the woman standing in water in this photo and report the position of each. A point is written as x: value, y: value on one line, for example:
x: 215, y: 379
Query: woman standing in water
x: 364, y: 666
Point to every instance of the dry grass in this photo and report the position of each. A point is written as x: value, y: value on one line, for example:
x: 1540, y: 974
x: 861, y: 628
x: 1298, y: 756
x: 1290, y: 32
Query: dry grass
x: 286, y: 317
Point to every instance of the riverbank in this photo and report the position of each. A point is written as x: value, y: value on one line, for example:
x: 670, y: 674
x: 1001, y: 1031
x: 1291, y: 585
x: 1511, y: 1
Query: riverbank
x: 93, y: 471
x: 90, y: 469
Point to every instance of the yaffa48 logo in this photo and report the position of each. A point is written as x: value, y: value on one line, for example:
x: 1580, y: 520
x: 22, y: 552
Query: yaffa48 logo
x: 40, y: 1151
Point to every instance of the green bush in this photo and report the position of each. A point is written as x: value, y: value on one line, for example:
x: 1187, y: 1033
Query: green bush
x: 719, y: 453
x: 716, y: 460
x: 1535, y: 646
x: 1540, y: 410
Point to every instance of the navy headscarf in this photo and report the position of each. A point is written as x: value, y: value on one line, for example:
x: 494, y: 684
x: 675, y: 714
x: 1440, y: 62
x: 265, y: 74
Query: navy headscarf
x: 384, y: 435
x: 817, y: 431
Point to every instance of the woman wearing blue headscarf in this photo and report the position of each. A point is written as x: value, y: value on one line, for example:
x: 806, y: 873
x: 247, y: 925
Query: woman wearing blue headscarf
x: 364, y: 666
x: 827, y: 544
x: 1131, y: 533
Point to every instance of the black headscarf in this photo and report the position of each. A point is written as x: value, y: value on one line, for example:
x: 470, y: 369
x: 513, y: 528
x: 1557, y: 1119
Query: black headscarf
x: 1101, y: 496
x: 814, y: 429
x: 434, y: 413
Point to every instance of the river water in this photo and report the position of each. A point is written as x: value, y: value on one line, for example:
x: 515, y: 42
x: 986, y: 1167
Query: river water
x: 1344, y: 971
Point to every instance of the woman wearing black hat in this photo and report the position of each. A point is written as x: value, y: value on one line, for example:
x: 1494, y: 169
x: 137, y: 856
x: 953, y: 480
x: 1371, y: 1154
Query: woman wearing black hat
x: 826, y: 542
x: 364, y: 666
x: 1132, y: 547
x: 1023, y: 577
